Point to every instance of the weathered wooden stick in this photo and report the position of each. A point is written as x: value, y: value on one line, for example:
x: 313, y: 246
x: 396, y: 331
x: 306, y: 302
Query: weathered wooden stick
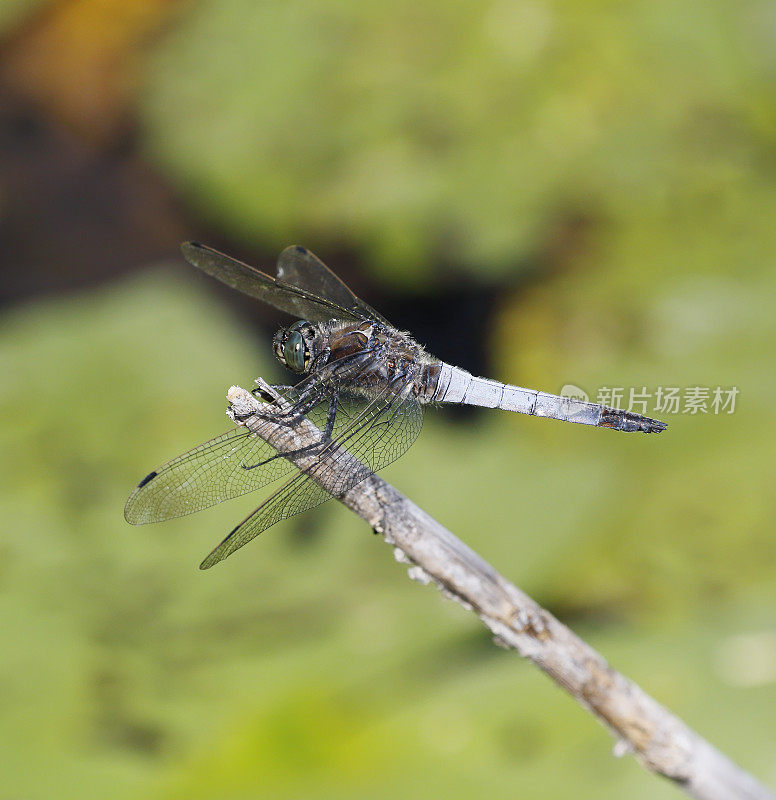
x: 660, y: 741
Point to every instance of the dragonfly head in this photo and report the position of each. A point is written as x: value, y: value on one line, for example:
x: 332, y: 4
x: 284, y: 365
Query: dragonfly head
x: 295, y: 346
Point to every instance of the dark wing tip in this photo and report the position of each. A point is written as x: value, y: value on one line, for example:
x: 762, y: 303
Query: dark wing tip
x: 300, y: 249
x: 132, y: 514
x: 148, y: 478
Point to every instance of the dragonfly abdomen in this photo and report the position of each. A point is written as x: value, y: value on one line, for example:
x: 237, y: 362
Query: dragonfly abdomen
x: 455, y: 385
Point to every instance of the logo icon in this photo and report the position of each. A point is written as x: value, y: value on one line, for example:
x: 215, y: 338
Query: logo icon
x: 574, y: 398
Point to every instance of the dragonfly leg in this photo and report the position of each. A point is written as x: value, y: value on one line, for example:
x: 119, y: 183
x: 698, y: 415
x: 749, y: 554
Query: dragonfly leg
x: 309, y: 392
x: 262, y: 394
x: 325, y: 439
x: 330, y: 416
x: 271, y: 395
x: 321, y: 381
x: 321, y: 359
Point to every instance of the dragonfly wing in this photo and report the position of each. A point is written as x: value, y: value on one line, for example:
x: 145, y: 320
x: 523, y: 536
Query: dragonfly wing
x: 210, y: 473
x: 232, y: 464
x: 294, y: 300
x: 297, y: 495
x: 299, y: 267
x: 376, y: 432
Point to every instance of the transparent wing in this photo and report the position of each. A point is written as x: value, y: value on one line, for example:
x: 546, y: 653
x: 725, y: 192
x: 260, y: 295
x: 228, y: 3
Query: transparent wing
x: 293, y: 300
x: 376, y: 432
x: 208, y: 474
x: 228, y: 466
x: 299, y: 267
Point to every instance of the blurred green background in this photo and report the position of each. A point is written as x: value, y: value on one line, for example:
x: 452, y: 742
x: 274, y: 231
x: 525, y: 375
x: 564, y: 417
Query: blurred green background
x: 544, y: 191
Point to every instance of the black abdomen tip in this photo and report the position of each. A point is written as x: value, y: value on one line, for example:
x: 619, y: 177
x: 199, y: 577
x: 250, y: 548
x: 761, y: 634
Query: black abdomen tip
x: 629, y: 421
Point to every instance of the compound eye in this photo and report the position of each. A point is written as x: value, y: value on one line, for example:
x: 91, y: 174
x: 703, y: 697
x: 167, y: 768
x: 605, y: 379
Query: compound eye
x: 295, y: 352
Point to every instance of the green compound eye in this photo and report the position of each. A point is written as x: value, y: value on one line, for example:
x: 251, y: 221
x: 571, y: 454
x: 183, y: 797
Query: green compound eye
x: 295, y: 352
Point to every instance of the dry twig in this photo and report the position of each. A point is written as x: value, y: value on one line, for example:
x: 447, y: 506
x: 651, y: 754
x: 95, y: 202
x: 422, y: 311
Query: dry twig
x: 660, y: 741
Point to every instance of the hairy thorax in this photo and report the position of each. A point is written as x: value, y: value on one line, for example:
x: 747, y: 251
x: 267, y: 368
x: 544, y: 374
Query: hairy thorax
x: 374, y: 356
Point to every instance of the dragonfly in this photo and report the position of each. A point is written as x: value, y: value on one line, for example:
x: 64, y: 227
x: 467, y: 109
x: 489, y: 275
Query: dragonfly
x: 362, y: 382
